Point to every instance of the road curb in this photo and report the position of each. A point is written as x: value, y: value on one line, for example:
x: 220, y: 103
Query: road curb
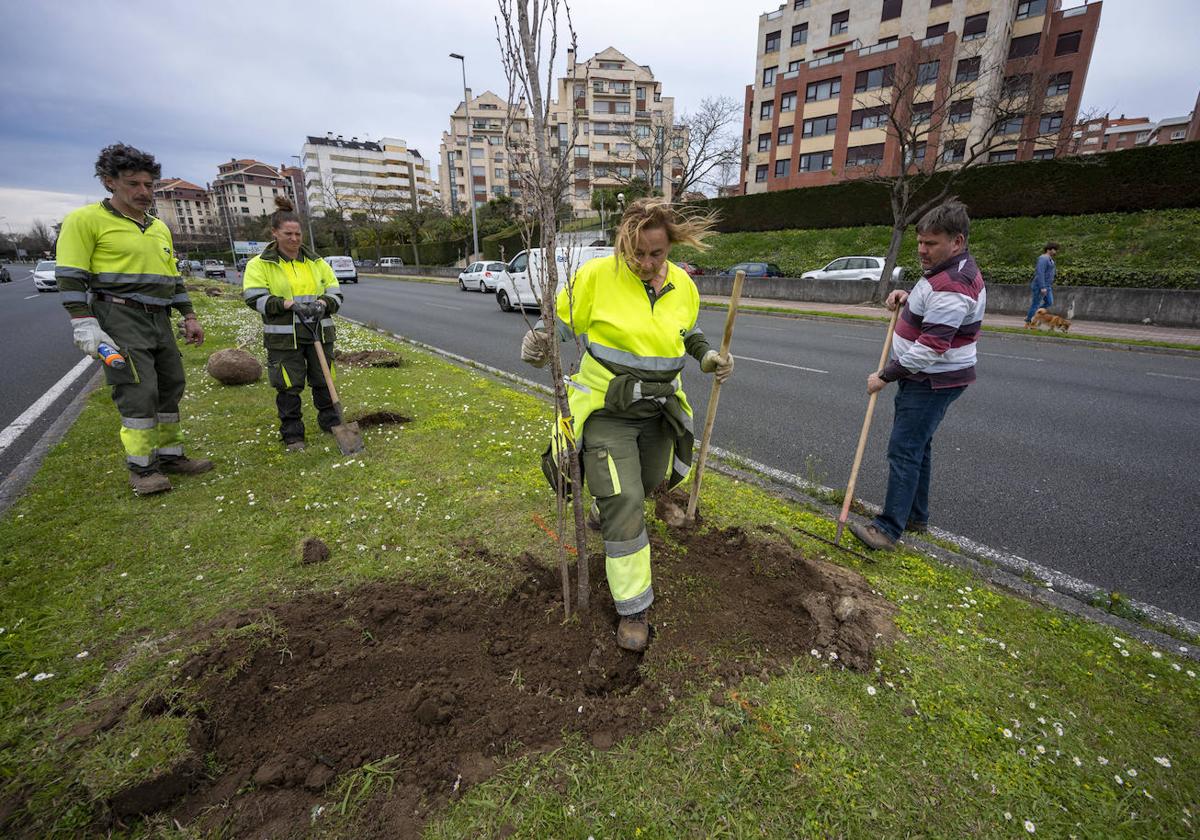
x: 1007, y: 572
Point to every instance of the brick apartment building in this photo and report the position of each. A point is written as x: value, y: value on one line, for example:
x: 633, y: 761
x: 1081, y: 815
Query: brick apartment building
x: 805, y: 124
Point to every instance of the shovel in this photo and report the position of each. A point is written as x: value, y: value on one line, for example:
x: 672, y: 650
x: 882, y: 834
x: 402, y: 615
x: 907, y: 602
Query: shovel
x: 348, y: 437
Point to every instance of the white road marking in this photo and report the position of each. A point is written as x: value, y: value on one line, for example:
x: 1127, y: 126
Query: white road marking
x: 1006, y: 356
x: 856, y: 338
x: 444, y: 306
x: 781, y: 364
x: 773, y: 329
x: 1173, y: 376
x: 31, y: 297
x: 31, y: 414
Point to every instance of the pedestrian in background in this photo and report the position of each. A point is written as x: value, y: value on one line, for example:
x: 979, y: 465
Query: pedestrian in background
x: 125, y: 258
x: 1043, y: 282
x: 932, y: 363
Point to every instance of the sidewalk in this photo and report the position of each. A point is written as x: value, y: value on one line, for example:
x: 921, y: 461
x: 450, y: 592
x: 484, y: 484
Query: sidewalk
x: 1097, y: 329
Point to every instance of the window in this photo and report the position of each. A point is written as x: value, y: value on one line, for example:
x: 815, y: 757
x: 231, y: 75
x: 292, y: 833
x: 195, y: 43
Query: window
x: 975, y: 26
x: 785, y: 136
x: 872, y: 79
x: 1142, y: 137
x: 1011, y: 125
x: 622, y: 107
x: 826, y: 89
x: 580, y: 152
x: 936, y: 30
x: 479, y: 171
x: 793, y: 66
x: 1068, y: 43
x: 927, y: 73
x: 839, y: 23
x: 760, y: 173
x: 765, y: 112
x: 933, y: 4
x: 800, y: 4
x: 876, y: 117
x: 960, y: 111
x: 918, y: 153
x: 954, y: 151
x: 1043, y: 154
x: 497, y: 190
x: 1030, y: 8
x: 1050, y: 123
x: 1006, y: 156
x: 783, y: 168
x: 871, y: 155
x: 764, y: 142
x: 769, y: 76
x: 891, y: 39
x: 476, y: 154
x: 968, y: 70
x: 922, y: 112
x: 819, y: 126
x: 799, y: 34
x: 1178, y: 135
x: 498, y: 173
x: 816, y: 161
x: 1024, y: 46
x: 598, y: 85
x: 891, y: 9
x: 623, y: 148
x: 1059, y: 84
x: 772, y: 44
x: 787, y: 102
x: 1016, y: 86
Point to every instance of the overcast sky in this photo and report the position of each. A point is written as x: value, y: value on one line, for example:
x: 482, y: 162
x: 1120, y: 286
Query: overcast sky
x: 196, y: 83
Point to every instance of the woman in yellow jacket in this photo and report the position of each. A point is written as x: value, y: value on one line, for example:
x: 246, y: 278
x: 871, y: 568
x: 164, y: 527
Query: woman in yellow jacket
x: 296, y: 293
x: 635, y: 314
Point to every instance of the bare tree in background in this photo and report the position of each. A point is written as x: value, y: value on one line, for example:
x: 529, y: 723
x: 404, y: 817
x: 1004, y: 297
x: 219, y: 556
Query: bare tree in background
x: 712, y: 145
x: 528, y: 35
x: 926, y: 103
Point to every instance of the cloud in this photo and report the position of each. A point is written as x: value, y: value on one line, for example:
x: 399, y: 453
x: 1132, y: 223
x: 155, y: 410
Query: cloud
x: 20, y: 207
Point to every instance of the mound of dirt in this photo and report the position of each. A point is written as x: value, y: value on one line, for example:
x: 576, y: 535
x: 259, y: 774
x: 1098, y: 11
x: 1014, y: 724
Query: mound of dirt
x: 234, y: 367
x: 381, y: 418
x: 313, y: 550
x: 442, y: 687
x: 213, y: 291
x: 369, y: 358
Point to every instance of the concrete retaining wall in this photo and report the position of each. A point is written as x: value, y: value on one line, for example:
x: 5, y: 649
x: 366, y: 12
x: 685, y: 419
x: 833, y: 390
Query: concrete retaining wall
x: 1163, y: 307
x: 411, y: 271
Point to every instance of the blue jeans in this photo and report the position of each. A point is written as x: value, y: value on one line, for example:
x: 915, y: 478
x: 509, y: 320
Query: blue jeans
x: 919, y: 410
x: 1041, y: 297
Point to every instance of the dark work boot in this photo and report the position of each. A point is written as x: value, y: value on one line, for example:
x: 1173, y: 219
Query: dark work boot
x: 872, y: 537
x: 148, y: 484
x: 183, y: 465
x: 912, y: 526
x: 633, y: 633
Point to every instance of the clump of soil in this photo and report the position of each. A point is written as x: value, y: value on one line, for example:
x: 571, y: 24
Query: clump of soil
x: 369, y: 358
x: 382, y: 418
x: 233, y: 366
x: 313, y: 550
x: 213, y: 291
x: 443, y: 687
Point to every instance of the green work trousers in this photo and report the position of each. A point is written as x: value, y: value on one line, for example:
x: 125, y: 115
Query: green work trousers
x: 625, y: 457
x: 287, y: 371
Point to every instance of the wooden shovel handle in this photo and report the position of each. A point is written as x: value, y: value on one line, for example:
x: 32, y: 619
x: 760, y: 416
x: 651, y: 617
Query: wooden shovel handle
x: 325, y: 372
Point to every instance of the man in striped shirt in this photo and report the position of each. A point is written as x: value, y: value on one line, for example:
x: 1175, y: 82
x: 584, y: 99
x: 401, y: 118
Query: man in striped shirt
x: 932, y: 362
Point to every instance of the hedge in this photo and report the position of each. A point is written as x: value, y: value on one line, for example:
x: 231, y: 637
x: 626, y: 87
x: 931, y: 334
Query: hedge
x: 1150, y: 178
x: 512, y: 241
x: 1100, y: 276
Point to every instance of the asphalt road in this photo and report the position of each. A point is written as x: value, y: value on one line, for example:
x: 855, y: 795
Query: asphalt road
x: 37, y: 353
x: 1078, y: 458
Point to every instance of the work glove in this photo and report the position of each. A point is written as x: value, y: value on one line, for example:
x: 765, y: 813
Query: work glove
x: 88, y: 336
x: 715, y: 362
x: 535, y: 348
x: 309, y: 312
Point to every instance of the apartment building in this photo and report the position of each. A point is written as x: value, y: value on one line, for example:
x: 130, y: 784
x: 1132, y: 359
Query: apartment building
x: 1168, y: 131
x: 245, y: 189
x: 475, y: 165
x: 611, y: 115
x: 185, y: 208
x: 1107, y: 134
x: 295, y: 187
x: 352, y: 175
x: 808, y: 120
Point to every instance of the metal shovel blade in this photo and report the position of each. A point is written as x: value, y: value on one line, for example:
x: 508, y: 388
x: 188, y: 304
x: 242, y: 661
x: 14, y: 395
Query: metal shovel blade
x: 348, y: 437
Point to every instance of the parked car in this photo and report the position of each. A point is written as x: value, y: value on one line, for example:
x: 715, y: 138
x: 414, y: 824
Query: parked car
x: 196, y: 266
x: 853, y: 268
x: 692, y: 270
x: 391, y: 262
x: 515, y: 287
x: 757, y: 269
x: 214, y: 268
x: 481, y: 276
x: 343, y: 269
x: 43, y: 276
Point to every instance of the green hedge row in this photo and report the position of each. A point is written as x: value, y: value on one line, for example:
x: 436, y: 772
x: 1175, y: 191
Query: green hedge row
x: 1154, y: 177
x: 507, y: 243
x: 1099, y: 276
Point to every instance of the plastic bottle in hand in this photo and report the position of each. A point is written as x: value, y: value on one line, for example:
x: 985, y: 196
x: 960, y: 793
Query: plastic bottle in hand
x: 110, y: 356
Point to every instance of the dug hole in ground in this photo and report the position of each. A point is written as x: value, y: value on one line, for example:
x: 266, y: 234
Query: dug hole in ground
x: 303, y: 644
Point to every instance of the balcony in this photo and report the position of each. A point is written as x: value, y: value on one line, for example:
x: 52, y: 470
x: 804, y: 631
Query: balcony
x: 642, y: 115
x: 934, y: 41
x: 829, y: 59
x: 878, y: 48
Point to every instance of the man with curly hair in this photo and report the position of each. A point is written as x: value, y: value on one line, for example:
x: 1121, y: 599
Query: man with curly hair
x: 124, y: 257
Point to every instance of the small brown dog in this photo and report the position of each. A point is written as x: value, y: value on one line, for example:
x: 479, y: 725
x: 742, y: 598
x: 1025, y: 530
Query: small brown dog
x: 1052, y: 321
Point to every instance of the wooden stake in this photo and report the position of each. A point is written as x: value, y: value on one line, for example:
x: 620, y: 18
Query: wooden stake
x: 862, y: 435
x: 714, y: 397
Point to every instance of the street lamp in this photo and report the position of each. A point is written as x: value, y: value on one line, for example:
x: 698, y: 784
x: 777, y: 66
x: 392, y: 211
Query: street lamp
x: 470, y: 180
x: 312, y: 243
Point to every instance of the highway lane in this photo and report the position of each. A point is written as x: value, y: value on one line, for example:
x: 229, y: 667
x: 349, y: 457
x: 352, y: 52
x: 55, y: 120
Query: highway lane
x: 1081, y: 459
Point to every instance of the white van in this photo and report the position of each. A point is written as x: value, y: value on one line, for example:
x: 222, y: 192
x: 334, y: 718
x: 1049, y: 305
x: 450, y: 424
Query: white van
x: 517, y: 286
x: 343, y: 269
x: 391, y: 262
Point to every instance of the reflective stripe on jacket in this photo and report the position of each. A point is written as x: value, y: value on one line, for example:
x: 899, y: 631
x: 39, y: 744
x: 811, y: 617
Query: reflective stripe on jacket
x: 271, y: 280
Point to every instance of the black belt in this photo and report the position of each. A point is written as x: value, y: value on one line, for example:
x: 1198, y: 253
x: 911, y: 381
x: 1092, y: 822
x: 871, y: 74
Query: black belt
x: 136, y: 304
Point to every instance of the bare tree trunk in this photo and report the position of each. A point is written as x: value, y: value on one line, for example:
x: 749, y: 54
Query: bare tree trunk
x: 889, y: 263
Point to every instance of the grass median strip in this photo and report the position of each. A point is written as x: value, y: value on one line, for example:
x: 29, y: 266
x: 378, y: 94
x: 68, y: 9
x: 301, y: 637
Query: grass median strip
x: 986, y: 716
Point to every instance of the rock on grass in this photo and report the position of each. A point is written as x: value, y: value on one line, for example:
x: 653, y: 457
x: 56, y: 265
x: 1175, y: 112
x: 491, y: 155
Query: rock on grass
x: 234, y: 367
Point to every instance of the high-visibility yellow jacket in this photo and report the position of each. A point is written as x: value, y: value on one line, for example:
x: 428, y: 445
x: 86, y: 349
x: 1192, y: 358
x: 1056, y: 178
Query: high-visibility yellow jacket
x: 627, y: 334
x: 270, y: 280
x: 101, y: 250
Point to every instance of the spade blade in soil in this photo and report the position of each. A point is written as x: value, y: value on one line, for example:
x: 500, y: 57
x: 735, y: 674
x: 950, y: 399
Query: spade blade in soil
x: 348, y: 437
